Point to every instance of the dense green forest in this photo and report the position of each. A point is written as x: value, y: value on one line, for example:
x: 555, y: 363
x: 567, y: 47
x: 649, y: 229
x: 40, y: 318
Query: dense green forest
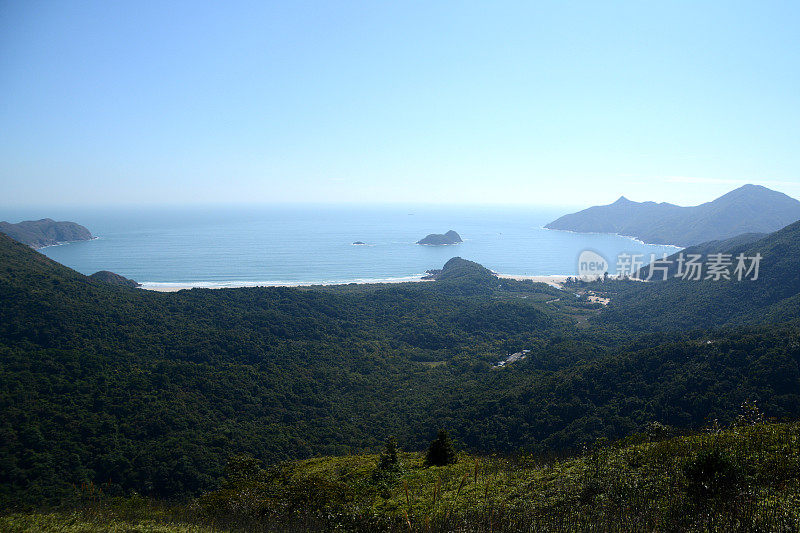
x: 678, y: 304
x: 152, y: 393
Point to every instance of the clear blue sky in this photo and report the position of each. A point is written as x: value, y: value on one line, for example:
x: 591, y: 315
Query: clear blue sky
x: 530, y: 102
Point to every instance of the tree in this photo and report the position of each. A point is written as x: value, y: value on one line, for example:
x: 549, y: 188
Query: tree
x: 243, y: 468
x: 388, y: 459
x: 441, y: 451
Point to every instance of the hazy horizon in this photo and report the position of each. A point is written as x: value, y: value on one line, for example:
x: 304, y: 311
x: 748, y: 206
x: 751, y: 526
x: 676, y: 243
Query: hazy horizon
x: 51, y: 210
x: 517, y: 104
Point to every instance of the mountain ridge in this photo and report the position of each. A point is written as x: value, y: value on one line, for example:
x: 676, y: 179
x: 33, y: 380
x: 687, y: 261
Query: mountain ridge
x: 748, y: 209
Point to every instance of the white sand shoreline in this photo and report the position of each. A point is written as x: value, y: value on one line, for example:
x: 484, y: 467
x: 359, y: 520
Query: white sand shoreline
x: 178, y: 286
x: 555, y: 280
x: 631, y: 237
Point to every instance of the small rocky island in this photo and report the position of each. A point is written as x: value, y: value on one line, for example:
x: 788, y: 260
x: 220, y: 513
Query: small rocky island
x: 112, y: 278
x: 441, y: 239
x: 45, y: 232
x: 359, y: 243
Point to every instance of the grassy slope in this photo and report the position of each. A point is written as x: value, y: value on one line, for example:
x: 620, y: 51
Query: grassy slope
x: 81, y: 523
x: 623, y: 487
x: 645, y: 483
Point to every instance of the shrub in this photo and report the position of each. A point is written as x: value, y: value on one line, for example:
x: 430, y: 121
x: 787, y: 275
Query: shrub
x: 710, y: 474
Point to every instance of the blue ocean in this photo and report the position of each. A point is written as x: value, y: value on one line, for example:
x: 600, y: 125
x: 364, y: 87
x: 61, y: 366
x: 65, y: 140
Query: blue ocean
x: 293, y: 245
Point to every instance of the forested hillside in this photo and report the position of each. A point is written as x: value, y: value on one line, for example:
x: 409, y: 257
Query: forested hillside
x: 153, y: 392
x: 681, y: 304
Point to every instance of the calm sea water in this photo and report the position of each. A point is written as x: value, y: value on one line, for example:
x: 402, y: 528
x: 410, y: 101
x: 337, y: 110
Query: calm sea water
x: 313, y: 244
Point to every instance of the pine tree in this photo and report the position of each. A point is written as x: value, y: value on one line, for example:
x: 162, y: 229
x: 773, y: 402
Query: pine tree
x: 388, y: 459
x: 441, y: 451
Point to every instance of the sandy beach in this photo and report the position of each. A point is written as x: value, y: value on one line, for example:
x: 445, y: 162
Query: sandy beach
x: 552, y: 280
x: 175, y: 287
x: 171, y: 288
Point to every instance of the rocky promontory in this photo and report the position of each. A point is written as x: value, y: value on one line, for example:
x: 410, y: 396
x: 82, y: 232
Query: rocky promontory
x: 45, y: 232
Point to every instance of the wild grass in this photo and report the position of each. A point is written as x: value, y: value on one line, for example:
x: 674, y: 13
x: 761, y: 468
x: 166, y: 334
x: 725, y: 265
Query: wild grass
x: 744, y: 478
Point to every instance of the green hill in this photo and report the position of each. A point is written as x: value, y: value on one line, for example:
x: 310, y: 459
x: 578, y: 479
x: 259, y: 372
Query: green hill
x: 114, y: 279
x: 152, y: 393
x: 678, y: 304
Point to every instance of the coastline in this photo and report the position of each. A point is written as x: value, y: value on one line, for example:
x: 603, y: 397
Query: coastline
x: 62, y: 243
x: 630, y: 237
x: 554, y: 280
x: 159, y: 286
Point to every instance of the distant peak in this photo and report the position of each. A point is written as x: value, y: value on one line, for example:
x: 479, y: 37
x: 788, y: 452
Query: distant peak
x: 752, y: 188
x: 622, y: 200
x: 751, y: 191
